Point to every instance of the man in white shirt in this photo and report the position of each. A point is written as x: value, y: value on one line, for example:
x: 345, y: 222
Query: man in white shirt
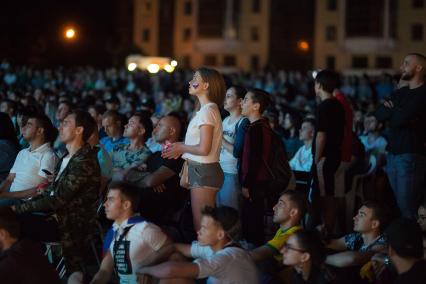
x: 27, y: 172
x: 302, y: 160
x: 132, y: 242
x: 216, y: 255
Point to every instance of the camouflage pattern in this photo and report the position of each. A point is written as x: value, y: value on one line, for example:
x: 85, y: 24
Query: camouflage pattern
x: 72, y: 198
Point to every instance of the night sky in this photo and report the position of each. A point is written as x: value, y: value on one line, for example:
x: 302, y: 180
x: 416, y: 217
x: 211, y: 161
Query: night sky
x: 32, y: 31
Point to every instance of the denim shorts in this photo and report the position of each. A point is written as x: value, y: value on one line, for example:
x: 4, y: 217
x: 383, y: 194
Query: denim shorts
x: 205, y: 175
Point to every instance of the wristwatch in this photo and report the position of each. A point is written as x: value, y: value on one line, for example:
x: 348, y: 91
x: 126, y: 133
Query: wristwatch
x: 387, y: 261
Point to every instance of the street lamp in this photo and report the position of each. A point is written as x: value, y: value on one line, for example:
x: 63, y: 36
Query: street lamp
x: 70, y: 34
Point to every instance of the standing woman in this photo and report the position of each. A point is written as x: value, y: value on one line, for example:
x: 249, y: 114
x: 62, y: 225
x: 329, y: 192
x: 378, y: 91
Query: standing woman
x: 203, y: 140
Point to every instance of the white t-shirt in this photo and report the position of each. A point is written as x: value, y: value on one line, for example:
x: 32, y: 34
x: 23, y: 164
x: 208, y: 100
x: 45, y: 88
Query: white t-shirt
x: 302, y: 160
x: 229, y: 265
x: 28, y: 167
x: 64, y: 164
x: 207, y: 115
x: 141, y: 241
x: 227, y: 160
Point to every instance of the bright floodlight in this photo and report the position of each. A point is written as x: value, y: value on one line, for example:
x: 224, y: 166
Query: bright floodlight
x: 153, y: 68
x: 131, y: 67
x: 173, y: 63
x: 169, y: 68
x: 70, y: 33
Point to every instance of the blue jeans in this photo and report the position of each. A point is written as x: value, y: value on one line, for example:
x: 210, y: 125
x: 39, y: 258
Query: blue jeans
x: 406, y: 176
x: 229, y: 193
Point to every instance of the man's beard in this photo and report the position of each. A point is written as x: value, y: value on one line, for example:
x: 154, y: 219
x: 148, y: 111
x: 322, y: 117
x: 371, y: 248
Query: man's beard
x: 407, y: 76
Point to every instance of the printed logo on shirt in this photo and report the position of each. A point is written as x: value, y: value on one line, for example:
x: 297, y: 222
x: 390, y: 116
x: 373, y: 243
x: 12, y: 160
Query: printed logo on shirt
x: 122, y: 257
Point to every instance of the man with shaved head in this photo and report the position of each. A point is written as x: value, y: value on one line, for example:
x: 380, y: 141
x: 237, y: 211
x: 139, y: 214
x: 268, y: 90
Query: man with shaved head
x: 406, y: 115
x: 161, y: 193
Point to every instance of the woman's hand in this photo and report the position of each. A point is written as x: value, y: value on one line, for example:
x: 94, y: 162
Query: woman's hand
x: 173, y: 151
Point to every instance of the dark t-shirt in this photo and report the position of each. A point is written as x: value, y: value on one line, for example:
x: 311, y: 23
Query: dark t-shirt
x: 331, y: 120
x: 25, y: 263
x: 407, y: 121
x: 155, y: 161
x: 416, y: 275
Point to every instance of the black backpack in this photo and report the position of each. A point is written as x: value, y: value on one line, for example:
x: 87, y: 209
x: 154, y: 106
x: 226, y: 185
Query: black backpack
x: 278, y: 165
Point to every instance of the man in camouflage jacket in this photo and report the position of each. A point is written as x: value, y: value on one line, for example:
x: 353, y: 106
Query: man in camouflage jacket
x: 73, y: 195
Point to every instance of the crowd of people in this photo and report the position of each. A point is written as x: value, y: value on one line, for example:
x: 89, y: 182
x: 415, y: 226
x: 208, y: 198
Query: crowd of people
x: 236, y: 178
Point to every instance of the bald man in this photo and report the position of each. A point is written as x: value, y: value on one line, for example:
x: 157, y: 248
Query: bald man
x: 159, y: 182
x: 404, y: 110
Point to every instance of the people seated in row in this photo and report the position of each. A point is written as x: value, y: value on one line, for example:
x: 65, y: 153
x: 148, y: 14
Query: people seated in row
x: 216, y: 254
x: 32, y: 165
x: 159, y: 183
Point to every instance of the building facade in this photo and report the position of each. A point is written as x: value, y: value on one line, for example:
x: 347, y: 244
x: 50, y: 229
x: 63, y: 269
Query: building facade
x: 374, y: 35
x: 226, y: 34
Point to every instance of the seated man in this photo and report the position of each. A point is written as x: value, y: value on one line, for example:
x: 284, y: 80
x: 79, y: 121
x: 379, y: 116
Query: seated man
x: 216, y: 255
x: 21, y: 261
x: 27, y: 171
x: 104, y: 160
x: 125, y: 156
x: 132, y: 242
x: 69, y: 203
x: 113, y: 126
x: 357, y: 248
x: 302, y: 160
x: 288, y: 213
x: 160, y: 181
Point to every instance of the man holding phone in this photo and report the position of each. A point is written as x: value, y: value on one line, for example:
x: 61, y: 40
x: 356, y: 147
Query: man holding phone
x: 33, y: 164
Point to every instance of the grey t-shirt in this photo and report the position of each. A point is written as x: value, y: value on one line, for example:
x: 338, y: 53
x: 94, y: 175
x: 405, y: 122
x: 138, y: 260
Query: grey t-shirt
x: 230, y: 265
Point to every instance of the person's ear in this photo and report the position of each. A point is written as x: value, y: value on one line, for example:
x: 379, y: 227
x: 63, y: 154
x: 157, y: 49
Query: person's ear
x: 293, y: 212
x: 221, y: 234
x: 79, y: 130
x: 205, y: 85
x: 127, y: 204
x: 305, y: 257
x: 256, y: 106
x: 375, y: 224
x: 40, y: 131
x: 142, y: 131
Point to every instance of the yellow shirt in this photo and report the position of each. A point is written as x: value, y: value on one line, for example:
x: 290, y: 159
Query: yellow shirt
x: 280, y: 238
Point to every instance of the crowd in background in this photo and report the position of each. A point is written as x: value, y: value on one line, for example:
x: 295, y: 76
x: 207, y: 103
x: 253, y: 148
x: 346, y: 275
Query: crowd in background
x: 119, y: 141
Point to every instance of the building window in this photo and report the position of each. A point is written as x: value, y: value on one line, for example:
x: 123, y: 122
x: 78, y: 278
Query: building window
x: 417, y: 32
x: 417, y: 4
x: 384, y: 62
x: 330, y: 62
x: 210, y: 60
x: 254, y: 62
x: 330, y: 33
x: 145, y: 35
x: 229, y: 60
x: 331, y: 5
x: 255, y: 6
x: 359, y: 62
x: 187, y: 8
x: 186, y: 34
x: 254, y: 34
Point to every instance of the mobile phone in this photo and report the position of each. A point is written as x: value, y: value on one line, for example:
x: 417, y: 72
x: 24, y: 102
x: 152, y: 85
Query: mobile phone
x: 47, y: 172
